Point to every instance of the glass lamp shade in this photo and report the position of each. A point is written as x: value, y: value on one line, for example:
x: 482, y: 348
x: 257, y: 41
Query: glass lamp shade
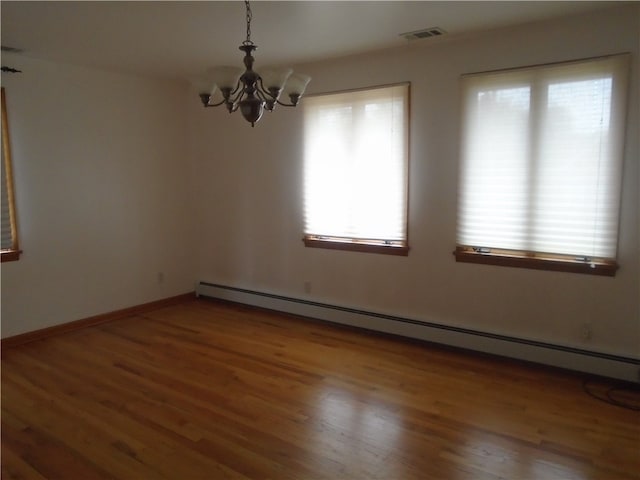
x: 275, y: 78
x: 297, y: 83
x: 203, y: 85
x: 225, y: 77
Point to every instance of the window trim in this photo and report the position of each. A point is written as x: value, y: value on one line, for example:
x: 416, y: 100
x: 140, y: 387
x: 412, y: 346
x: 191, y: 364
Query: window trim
x: 535, y: 260
x: 394, y: 247
x: 357, y: 245
x: 10, y: 254
x: 539, y: 260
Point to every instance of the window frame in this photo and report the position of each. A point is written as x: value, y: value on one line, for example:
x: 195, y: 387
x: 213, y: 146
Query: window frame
x: 11, y: 254
x: 541, y: 260
x: 364, y: 245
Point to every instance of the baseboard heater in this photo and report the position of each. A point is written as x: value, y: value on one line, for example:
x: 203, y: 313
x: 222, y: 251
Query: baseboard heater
x: 597, y: 363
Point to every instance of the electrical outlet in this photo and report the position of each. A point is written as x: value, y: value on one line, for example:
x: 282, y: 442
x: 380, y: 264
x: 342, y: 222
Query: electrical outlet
x: 160, y: 277
x: 307, y: 287
x: 586, y: 332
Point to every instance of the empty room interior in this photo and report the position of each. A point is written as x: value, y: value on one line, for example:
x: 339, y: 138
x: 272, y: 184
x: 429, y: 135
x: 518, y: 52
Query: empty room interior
x: 320, y: 240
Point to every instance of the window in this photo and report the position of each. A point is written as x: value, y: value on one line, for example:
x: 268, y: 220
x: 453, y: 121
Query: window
x: 356, y: 170
x: 9, y: 247
x: 541, y: 165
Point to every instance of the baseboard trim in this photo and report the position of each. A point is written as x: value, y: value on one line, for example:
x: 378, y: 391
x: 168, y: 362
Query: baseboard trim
x: 28, y: 337
x: 570, y: 358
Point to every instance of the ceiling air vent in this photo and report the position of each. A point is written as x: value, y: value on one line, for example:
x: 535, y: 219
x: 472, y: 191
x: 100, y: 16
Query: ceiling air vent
x: 426, y: 33
x: 10, y: 49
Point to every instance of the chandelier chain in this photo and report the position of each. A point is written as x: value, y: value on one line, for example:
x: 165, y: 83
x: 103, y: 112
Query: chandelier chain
x: 249, y: 16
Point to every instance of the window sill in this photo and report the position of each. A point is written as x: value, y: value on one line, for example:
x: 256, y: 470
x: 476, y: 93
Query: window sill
x: 521, y: 260
x: 10, y: 255
x: 354, y: 246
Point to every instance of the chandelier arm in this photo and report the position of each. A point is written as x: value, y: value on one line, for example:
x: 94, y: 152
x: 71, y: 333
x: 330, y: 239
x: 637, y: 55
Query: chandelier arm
x: 269, y: 96
x: 238, y: 91
x: 286, y: 104
x: 234, y: 98
x: 232, y: 106
x: 215, y: 104
x: 262, y: 95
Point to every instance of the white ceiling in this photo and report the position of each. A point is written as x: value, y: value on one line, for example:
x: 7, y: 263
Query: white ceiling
x: 178, y: 39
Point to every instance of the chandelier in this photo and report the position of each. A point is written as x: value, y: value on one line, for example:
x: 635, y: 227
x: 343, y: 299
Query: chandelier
x: 247, y: 89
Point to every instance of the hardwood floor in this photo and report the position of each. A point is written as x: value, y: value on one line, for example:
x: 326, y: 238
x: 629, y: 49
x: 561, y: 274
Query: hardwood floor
x: 206, y: 390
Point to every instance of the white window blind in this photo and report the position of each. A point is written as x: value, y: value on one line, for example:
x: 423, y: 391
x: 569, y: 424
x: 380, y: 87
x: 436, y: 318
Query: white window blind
x: 541, y: 159
x: 9, y: 240
x: 7, y: 232
x: 356, y: 163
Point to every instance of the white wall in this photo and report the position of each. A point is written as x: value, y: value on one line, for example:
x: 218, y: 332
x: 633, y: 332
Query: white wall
x: 249, y: 199
x: 103, y: 199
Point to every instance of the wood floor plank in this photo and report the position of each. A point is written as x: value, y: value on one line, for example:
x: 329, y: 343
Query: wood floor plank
x: 42, y: 455
x: 214, y: 390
